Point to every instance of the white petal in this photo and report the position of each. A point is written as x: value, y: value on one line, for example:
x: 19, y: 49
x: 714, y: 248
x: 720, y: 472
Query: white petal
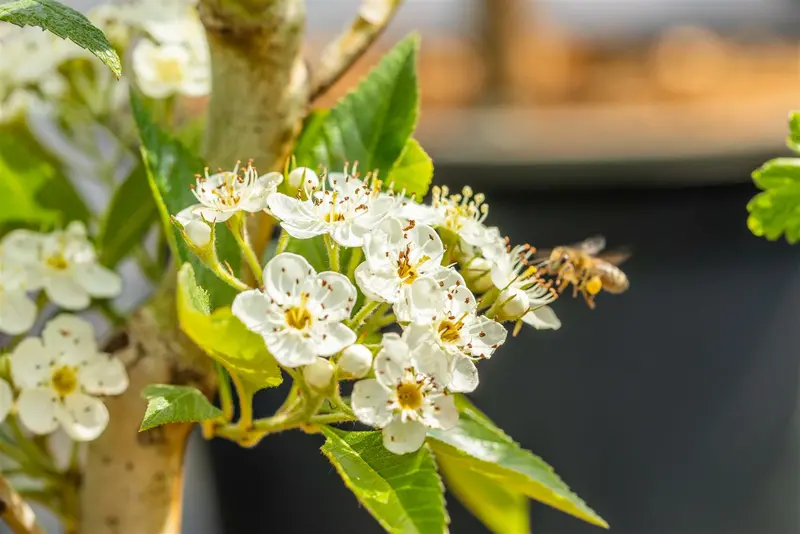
x: 66, y: 292
x: 17, y: 312
x: 197, y: 230
x: 431, y: 360
x: 98, y: 281
x: 463, y: 375
x: 286, y: 208
x: 251, y: 308
x: 460, y: 300
x: 417, y: 335
x: 37, y: 410
x: 106, y: 375
x: 30, y: 363
x: 384, y: 241
x: 382, y: 286
x: 83, y: 417
x: 392, y: 360
x: 440, y: 412
x: 403, y: 438
x: 70, y: 336
x: 426, y: 300
x: 515, y: 303
x: 22, y: 246
x: 335, y: 293
x: 303, y: 176
x: 6, y: 399
x: 319, y: 374
x: 484, y: 334
x: 330, y: 338
x: 214, y: 215
x: 290, y: 348
x: 370, y: 403
x: 543, y: 318
x: 348, y: 234
x: 284, y: 275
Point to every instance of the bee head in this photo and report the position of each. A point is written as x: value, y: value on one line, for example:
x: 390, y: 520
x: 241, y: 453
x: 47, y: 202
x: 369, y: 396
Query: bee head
x: 558, y: 257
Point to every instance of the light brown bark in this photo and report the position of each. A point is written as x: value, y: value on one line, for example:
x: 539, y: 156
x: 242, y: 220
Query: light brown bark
x: 133, y: 480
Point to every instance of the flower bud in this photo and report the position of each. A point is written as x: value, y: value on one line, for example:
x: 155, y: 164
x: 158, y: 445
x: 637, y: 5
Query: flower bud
x: 303, y: 178
x: 356, y: 361
x: 319, y: 374
x: 513, y: 304
x: 477, y: 273
x: 195, y: 230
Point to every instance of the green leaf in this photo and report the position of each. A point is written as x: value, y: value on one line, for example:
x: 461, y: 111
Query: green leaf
x: 175, y: 404
x: 403, y: 492
x: 60, y: 195
x: 503, y: 510
x: 794, y: 131
x: 222, y: 336
x: 64, y: 22
x: 478, y: 445
x: 23, y: 176
x: 171, y: 169
x: 313, y: 250
x: 413, y: 172
x: 776, y: 211
x: 129, y: 216
x: 371, y: 124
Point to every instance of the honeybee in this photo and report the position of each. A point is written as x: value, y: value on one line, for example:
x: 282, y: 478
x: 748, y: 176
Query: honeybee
x: 587, y: 268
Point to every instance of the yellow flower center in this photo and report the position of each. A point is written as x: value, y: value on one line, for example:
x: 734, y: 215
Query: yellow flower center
x: 64, y: 380
x: 57, y: 261
x: 449, y: 332
x: 333, y: 216
x: 298, y: 317
x: 169, y: 70
x: 409, y: 395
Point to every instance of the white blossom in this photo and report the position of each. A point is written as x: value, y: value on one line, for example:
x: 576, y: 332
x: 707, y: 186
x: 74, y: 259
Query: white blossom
x: 345, y: 207
x: 523, y: 294
x: 60, y: 377
x: 356, y: 361
x: 299, y: 313
x: 408, y: 394
x: 225, y: 193
x: 17, y: 311
x: 64, y: 263
x: 396, y: 256
x: 463, y: 215
x: 444, y: 312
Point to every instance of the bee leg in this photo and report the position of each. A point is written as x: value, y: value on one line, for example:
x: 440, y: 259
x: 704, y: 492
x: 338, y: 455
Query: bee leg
x: 589, y: 298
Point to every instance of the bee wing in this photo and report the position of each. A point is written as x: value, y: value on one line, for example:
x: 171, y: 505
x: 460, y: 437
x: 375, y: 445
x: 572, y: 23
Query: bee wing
x: 616, y: 256
x: 593, y: 245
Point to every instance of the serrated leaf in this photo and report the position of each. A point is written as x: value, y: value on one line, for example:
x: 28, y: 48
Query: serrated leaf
x: 64, y: 22
x: 371, y: 124
x: 503, y: 510
x: 413, y: 172
x: 793, y: 141
x: 171, y: 168
x: 129, y: 216
x: 776, y: 211
x: 175, y: 404
x: 403, y: 492
x: 222, y: 336
x: 478, y: 444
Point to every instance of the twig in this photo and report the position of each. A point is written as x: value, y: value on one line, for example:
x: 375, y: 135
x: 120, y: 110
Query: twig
x: 340, y: 54
x: 15, y: 511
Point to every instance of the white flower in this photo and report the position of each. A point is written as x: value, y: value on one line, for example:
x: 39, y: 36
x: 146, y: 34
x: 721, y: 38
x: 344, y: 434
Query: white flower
x: 443, y: 311
x: 225, y: 193
x: 356, y: 361
x: 299, y: 313
x: 60, y: 377
x: 303, y: 178
x: 197, y: 230
x: 463, y: 215
x: 524, y: 295
x: 346, y: 208
x: 163, y: 70
x: 64, y: 263
x: 396, y: 257
x: 408, y: 395
x: 17, y: 311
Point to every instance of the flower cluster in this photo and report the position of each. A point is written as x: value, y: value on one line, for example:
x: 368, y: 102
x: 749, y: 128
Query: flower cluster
x: 415, y: 266
x: 59, y: 375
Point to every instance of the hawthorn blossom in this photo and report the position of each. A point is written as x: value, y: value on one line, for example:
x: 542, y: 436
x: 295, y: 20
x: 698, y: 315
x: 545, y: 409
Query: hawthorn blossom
x: 443, y: 311
x: 463, y: 215
x: 64, y: 263
x: 396, y: 256
x: 17, y: 311
x: 61, y: 376
x: 299, y: 313
x: 523, y: 294
x: 408, y: 394
x: 346, y: 208
x: 225, y: 193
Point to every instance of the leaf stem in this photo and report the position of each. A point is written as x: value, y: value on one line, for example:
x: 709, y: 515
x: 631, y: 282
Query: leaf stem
x: 245, y: 422
x: 225, y: 396
x: 238, y: 227
x: 283, y: 242
x: 333, y: 253
x: 355, y: 260
x: 363, y: 314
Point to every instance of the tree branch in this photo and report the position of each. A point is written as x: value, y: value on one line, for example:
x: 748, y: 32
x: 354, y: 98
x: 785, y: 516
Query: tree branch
x: 340, y: 54
x: 15, y: 511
